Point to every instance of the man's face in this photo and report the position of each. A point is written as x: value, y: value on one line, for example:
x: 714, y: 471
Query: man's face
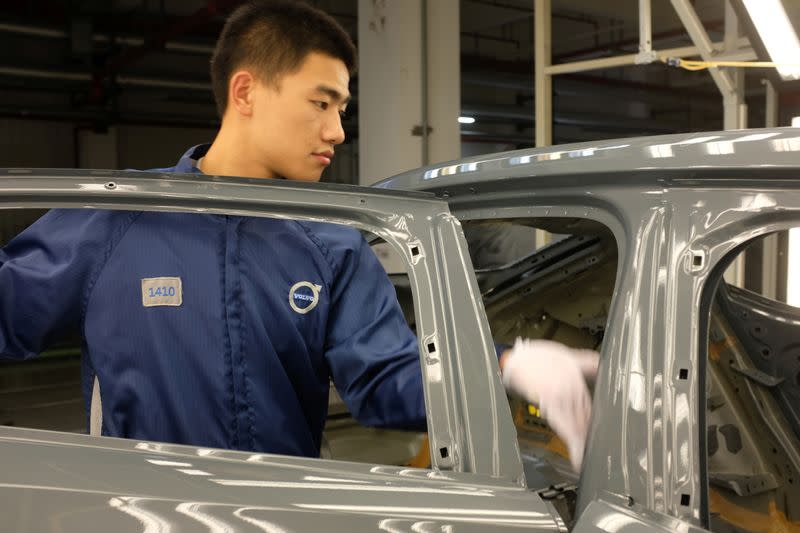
x: 297, y: 123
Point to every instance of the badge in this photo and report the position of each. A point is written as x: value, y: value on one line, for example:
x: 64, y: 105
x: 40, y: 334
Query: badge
x: 304, y: 296
x: 162, y: 292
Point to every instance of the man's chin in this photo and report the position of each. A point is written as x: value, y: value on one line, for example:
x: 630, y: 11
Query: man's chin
x: 310, y: 177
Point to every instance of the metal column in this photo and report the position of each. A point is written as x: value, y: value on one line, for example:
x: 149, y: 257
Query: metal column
x: 735, y: 118
x: 543, y: 81
x: 408, y: 86
x: 646, y: 54
x: 735, y: 108
x: 769, y: 260
x: 771, y: 105
x: 542, y: 12
x: 443, y: 78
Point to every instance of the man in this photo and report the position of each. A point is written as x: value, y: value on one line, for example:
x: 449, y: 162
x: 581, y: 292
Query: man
x: 224, y: 331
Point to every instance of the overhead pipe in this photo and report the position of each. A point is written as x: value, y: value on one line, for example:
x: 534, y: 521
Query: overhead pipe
x: 198, y: 18
x: 600, y: 121
x: 606, y: 48
x: 579, y: 84
x: 85, y: 76
x: 37, y: 31
x: 630, y: 59
x: 94, y: 116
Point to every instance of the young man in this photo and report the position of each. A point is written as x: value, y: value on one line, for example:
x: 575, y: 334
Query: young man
x: 224, y: 331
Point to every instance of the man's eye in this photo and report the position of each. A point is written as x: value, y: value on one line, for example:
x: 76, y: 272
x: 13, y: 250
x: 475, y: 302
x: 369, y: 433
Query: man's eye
x: 320, y: 104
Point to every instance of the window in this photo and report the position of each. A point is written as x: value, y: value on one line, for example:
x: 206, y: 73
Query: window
x: 46, y: 393
x: 752, y: 407
x: 560, y: 290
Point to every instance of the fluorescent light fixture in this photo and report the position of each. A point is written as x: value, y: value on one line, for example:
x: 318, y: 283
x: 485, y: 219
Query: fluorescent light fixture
x: 466, y: 120
x: 796, y: 122
x: 777, y: 34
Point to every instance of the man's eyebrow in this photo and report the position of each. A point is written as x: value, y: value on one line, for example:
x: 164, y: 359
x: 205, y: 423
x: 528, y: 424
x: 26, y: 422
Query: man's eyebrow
x: 333, y: 93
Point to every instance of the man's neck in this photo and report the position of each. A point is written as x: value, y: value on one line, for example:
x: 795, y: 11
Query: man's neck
x: 228, y: 156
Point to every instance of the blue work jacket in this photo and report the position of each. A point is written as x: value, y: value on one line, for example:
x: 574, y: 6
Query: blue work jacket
x: 212, y: 330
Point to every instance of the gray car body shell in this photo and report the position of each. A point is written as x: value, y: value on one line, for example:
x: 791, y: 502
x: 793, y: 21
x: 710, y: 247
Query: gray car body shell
x: 676, y: 205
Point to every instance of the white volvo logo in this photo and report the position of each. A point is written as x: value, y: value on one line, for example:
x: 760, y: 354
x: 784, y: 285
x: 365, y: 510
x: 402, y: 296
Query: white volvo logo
x: 304, y: 296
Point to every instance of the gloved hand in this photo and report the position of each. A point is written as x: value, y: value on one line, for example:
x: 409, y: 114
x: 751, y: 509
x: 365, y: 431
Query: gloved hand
x: 588, y: 361
x: 553, y: 377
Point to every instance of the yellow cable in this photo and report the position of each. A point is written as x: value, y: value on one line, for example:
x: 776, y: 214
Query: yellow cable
x: 701, y: 65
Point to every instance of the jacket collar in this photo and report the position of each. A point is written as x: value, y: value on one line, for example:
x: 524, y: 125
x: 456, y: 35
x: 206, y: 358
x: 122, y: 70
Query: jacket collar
x: 188, y: 161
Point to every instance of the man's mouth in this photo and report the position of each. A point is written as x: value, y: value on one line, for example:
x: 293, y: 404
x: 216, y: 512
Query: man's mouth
x: 324, y: 157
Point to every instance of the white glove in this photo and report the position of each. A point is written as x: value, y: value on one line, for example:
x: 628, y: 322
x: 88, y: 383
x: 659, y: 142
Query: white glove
x: 552, y: 376
x: 588, y: 361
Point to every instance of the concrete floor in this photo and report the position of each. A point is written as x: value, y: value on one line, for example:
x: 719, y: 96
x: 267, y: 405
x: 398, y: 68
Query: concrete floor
x: 42, y: 394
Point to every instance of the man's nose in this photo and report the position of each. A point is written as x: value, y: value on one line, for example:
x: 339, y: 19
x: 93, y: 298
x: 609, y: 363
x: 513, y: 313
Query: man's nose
x: 333, y: 131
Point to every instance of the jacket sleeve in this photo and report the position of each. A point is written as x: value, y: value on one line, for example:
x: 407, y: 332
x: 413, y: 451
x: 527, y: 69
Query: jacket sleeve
x: 45, y: 275
x: 371, y: 351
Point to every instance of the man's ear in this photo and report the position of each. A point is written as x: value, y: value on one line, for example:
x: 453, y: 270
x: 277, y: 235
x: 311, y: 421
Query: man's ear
x: 240, y: 92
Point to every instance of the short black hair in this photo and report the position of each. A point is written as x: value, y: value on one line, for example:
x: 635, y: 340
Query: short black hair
x: 274, y: 37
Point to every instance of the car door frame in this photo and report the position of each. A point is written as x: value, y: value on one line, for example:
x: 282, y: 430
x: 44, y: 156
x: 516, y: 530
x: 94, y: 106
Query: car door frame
x: 469, y: 422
